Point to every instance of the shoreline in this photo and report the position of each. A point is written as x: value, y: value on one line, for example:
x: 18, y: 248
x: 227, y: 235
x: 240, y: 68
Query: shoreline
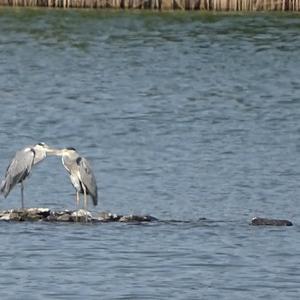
x: 164, y: 5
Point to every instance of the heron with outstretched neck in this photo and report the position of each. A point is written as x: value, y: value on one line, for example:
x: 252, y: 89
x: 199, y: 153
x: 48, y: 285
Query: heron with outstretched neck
x: 81, y: 175
x: 20, y: 167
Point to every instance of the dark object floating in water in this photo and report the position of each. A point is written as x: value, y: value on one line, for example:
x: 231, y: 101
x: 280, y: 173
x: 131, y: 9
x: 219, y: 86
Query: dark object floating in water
x: 271, y: 222
x: 47, y: 215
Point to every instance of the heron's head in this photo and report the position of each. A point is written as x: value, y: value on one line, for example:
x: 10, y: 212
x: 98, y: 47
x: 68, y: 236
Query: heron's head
x: 41, y: 151
x: 69, y: 152
x: 41, y: 146
x: 45, y: 149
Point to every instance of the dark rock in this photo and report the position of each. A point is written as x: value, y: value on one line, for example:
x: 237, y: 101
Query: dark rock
x: 60, y: 213
x: 65, y: 218
x: 81, y: 215
x: 31, y: 217
x: 135, y: 218
x: 14, y: 216
x: 107, y: 217
x: 45, y: 214
x: 270, y: 222
x: 51, y: 218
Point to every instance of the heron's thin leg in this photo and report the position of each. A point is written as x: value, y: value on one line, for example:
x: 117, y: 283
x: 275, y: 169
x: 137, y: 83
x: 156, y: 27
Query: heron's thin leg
x: 77, y: 205
x: 22, y: 194
x: 78, y: 200
x: 85, y: 202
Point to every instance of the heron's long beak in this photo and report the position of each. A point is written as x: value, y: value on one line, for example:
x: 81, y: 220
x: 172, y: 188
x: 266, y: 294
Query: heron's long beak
x: 53, y: 151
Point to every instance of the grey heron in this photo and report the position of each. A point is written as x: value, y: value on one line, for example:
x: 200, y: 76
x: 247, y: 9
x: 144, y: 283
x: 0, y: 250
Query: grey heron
x: 81, y: 175
x: 20, y: 167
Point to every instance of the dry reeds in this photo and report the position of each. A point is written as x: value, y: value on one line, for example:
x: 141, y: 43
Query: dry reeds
x: 207, y: 5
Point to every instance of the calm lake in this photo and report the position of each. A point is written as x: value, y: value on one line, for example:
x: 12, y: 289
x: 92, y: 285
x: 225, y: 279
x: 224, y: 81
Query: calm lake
x: 183, y: 116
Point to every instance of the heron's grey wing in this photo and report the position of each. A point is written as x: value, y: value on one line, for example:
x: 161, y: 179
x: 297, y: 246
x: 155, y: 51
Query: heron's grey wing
x: 88, y: 178
x: 18, y: 170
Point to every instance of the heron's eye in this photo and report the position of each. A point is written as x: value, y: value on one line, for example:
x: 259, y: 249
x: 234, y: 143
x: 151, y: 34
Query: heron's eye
x: 71, y: 148
x: 42, y: 144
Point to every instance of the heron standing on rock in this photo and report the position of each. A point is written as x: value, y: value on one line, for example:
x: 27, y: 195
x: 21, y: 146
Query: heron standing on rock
x: 21, y: 165
x: 81, y: 175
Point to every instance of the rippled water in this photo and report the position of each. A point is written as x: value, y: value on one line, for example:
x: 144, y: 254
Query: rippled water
x: 183, y: 116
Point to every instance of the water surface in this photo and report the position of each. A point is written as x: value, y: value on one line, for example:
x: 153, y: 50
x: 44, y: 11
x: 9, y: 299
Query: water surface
x: 183, y: 116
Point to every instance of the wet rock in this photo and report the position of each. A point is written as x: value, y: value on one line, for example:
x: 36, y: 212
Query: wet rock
x: 51, y: 218
x: 12, y: 216
x: 5, y: 217
x: 135, y: 218
x: 107, y: 217
x: 35, y: 214
x: 45, y: 214
x: 64, y: 218
x: 31, y: 217
x: 82, y: 215
x: 270, y: 222
x: 31, y: 214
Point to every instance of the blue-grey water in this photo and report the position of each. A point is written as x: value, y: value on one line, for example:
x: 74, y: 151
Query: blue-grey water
x: 183, y: 116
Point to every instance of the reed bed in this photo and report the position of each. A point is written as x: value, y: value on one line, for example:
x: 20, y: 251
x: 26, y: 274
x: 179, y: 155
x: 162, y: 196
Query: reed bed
x: 207, y: 5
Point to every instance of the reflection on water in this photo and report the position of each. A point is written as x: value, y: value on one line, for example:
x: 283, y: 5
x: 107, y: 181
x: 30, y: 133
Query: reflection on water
x: 183, y: 115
